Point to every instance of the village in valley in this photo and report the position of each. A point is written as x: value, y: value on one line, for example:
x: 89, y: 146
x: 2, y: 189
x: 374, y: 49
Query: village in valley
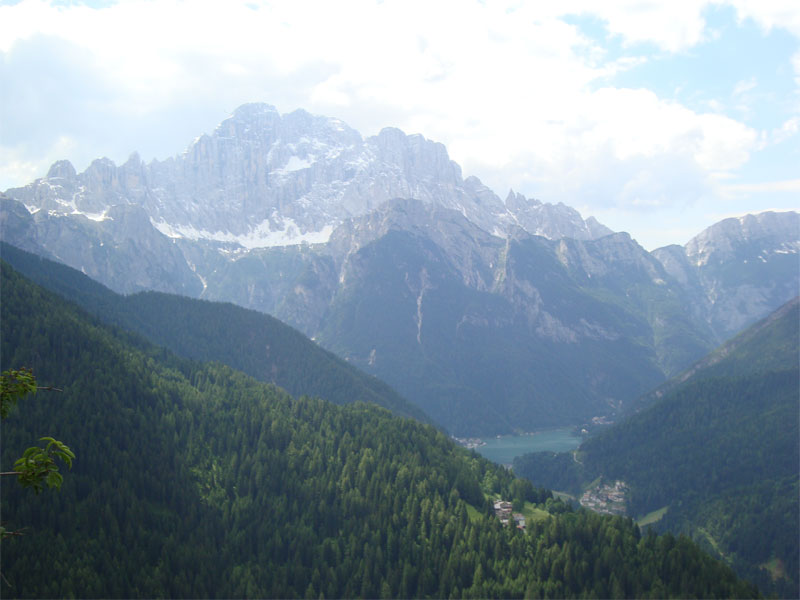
x: 504, y: 511
x: 605, y: 498
x: 601, y: 497
x: 469, y: 443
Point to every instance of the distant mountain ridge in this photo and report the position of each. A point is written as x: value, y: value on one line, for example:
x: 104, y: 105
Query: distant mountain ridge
x: 741, y: 354
x: 738, y: 268
x: 192, y: 480
x: 252, y: 342
x: 713, y: 452
x: 493, y: 316
x: 262, y: 180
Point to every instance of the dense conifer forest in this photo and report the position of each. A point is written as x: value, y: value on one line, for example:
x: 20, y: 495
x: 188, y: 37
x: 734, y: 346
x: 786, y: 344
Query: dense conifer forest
x: 195, y: 480
x: 246, y: 340
x: 717, y: 454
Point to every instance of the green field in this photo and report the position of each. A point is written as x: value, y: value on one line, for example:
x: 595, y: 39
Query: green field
x: 652, y: 517
x: 473, y: 513
x: 531, y: 513
x: 776, y: 568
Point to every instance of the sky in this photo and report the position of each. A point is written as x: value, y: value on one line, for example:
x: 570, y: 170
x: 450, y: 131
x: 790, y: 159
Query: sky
x: 659, y: 118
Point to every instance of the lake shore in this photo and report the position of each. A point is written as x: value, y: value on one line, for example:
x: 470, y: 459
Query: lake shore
x: 503, y: 449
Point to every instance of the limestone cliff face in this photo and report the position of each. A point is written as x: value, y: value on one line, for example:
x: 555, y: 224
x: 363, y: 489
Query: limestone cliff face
x: 553, y: 221
x: 738, y: 270
x: 262, y: 179
x: 122, y: 249
x: 383, y: 252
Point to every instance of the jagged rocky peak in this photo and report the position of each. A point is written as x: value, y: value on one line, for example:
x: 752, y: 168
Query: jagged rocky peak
x: 60, y: 192
x: 406, y: 214
x: 62, y: 169
x: 249, y: 121
x: 265, y: 179
x: 482, y: 194
x: 515, y: 201
x: 251, y: 112
x: 616, y: 254
x: 397, y: 214
x: 468, y: 248
x: 102, y: 172
x: 415, y: 153
x: 553, y: 221
x: 596, y: 229
x: 259, y: 150
x: 262, y: 122
x: 738, y: 269
x: 134, y: 162
x: 620, y: 247
x: 723, y: 239
x: 673, y: 259
x: 326, y: 130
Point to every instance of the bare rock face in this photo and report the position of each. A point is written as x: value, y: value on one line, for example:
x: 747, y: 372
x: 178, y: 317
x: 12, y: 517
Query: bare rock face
x: 262, y: 179
x: 259, y: 181
x: 760, y: 235
x: 553, y: 221
x: 382, y: 251
x: 738, y: 270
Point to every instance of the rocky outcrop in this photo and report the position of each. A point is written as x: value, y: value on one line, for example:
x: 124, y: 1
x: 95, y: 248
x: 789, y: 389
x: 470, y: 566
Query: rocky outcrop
x: 491, y: 314
x: 553, y: 221
x: 262, y: 179
x: 739, y: 269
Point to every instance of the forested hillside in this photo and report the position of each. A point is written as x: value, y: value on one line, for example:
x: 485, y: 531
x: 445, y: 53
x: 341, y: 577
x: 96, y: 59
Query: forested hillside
x: 249, y: 341
x: 194, y: 480
x: 718, y: 453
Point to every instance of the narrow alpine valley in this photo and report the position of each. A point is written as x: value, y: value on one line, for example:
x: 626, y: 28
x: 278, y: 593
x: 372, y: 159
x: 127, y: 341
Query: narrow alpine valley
x: 323, y: 493
x: 399, y: 299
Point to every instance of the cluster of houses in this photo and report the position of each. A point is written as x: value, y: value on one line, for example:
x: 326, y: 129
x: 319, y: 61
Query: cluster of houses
x: 503, y: 509
x: 469, y: 443
x: 606, y: 498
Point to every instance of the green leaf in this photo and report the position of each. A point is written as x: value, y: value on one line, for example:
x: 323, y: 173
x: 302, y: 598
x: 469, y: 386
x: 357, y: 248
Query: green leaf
x: 14, y: 385
x: 54, y: 480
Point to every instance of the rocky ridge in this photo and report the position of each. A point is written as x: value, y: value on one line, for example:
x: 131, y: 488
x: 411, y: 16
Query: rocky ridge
x: 262, y: 179
x: 738, y: 268
x: 490, y: 314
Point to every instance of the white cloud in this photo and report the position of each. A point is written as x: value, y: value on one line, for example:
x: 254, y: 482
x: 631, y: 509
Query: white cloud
x: 744, y: 86
x: 12, y: 168
x: 796, y: 65
x: 786, y: 131
x: 784, y: 186
x: 770, y: 14
x: 519, y: 96
x: 673, y: 26
x: 620, y: 147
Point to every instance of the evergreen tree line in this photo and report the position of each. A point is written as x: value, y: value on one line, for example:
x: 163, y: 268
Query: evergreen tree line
x: 719, y: 451
x: 246, y: 340
x: 195, y: 480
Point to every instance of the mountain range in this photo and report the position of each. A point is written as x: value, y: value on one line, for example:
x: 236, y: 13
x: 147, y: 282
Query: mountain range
x: 252, y: 342
x: 193, y: 480
x: 491, y: 315
x: 713, y: 453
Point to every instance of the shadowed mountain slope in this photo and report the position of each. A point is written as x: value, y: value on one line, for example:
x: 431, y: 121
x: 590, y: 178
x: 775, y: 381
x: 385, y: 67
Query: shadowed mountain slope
x: 252, y: 342
x: 717, y: 449
x: 194, y: 480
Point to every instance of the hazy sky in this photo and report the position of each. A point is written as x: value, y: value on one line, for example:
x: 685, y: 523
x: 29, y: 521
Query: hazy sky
x: 657, y: 117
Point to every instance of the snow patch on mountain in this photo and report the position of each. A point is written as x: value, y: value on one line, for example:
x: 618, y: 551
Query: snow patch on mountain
x: 264, y: 235
x: 296, y: 163
x: 297, y: 176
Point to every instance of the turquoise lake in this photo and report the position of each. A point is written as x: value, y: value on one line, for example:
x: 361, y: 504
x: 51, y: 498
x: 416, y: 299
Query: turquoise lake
x: 503, y: 449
